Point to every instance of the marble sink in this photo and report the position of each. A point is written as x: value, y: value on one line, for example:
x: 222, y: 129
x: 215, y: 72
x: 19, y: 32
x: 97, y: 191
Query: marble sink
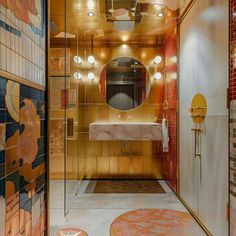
x: 125, y: 131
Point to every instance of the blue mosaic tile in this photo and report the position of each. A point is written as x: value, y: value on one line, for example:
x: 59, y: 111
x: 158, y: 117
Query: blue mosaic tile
x: 35, y: 94
x: 43, y: 128
x: 25, y: 91
x: 3, y: 83
x: 11, y: 129
x: 15, y: 179
x: 2, y: 102
x: 9, y: 28
x: 25, y: 200
x: 2, y: 187
x: 2, y: 116
x: 2, y: 164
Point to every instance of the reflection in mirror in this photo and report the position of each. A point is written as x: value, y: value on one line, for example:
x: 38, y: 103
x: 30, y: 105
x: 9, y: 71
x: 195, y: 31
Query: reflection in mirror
x: 124, y: 83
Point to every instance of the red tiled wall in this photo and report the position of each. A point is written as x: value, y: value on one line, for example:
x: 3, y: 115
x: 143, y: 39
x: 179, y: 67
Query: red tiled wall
x: 232, y: 118
x: 170, y: 94
x: 233, y: 51
x: 103, y: 88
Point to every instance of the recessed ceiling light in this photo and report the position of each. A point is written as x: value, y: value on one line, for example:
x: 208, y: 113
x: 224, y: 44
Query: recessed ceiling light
x: 160, y: 14
x: 91, y: 14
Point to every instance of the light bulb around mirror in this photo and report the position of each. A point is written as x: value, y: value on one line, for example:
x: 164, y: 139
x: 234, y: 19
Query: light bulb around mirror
x: 91, y: 59
x: 157, y: 76
x: 157, y: 59
x: 91, y: 76
x: 77, y: 76
x: 77, y: 59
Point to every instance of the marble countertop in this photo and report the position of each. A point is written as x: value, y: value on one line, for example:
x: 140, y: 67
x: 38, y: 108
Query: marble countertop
x: 125, y: 131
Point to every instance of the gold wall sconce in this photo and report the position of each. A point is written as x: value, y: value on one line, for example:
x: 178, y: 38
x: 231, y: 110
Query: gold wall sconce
x: 198, y: 111
x: 198, y: 108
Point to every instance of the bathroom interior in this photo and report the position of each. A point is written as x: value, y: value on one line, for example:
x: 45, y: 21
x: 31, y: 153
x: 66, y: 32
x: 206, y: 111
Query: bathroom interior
x: 119, y: 118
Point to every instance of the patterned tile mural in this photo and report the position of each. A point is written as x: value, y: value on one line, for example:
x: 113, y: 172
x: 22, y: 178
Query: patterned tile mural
x: 22, y: 118
x: 22, y: 39
x: 22, y: 160
x: 233, y: 119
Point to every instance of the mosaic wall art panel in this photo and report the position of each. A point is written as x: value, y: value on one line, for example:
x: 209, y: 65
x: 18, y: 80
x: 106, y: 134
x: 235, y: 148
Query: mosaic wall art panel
x: 22, y: 39
x: 22, y: 160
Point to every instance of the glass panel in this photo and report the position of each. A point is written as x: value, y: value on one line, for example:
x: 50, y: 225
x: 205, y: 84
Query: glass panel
x: 69, y: 97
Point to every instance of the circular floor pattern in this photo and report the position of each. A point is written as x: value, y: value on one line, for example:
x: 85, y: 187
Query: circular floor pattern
x: 71, y: 232
x: 155, y: 222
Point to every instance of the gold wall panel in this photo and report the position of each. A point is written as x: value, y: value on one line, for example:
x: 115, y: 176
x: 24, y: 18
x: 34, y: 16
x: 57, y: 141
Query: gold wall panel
x: 110, y: 159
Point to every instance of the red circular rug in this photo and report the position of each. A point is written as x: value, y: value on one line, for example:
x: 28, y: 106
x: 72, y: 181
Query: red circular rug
x: 155, y: 222
x: 71, y: 232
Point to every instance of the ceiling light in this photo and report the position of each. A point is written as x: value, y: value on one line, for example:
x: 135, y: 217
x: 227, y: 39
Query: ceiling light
x: 160, y: 14
x: 91, y: 14
x: 77, y: 59
x: 90, y: 4
x: 157, y: 59
x: 91, y: 59
x: 77, y: 76
x: 124, y: 38
x: 91, y: 76
x: 157, y: 76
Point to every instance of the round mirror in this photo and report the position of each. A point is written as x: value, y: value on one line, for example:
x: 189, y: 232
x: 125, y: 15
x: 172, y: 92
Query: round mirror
x: 124, y: 83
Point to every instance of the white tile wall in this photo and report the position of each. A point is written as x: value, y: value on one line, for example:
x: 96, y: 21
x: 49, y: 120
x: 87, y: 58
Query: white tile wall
x: 23, y: 55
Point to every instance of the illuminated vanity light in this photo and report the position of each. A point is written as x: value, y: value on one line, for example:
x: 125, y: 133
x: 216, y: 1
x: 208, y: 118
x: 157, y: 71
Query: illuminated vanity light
x: 158, y: 76
x: 91, y: 76
x: 91, y: 59
x: 161, y: 14
x: 77, y: 76
x: 91, y: 14
x: 158, y: 60
x: 77, y: 60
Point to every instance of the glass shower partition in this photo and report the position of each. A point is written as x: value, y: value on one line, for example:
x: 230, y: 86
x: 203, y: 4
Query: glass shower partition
x: 69, y: 96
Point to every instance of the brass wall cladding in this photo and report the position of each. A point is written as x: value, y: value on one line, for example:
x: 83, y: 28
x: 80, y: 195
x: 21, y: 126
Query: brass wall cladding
x: 104, y: 159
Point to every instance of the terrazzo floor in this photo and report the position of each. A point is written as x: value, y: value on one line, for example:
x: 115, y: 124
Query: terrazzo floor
x: 94, y: 213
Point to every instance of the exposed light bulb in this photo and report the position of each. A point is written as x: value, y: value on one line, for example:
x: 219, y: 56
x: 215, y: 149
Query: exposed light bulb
x: 77, y: 59
x: 77, y: 76
x: 91, y: 59
x: 158, y: 60
x: 90, y: 4
x: 91, y: 14
x: 157, y: 76
x: 160, y: 14
x: 91, y: 76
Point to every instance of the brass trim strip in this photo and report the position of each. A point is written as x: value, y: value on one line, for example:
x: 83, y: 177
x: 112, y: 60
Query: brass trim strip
x: 195, y: 216
x: 21, y: 80
x: 186, y: 10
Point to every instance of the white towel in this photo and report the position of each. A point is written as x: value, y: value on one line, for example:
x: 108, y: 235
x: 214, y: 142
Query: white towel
x: 165, y: 135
